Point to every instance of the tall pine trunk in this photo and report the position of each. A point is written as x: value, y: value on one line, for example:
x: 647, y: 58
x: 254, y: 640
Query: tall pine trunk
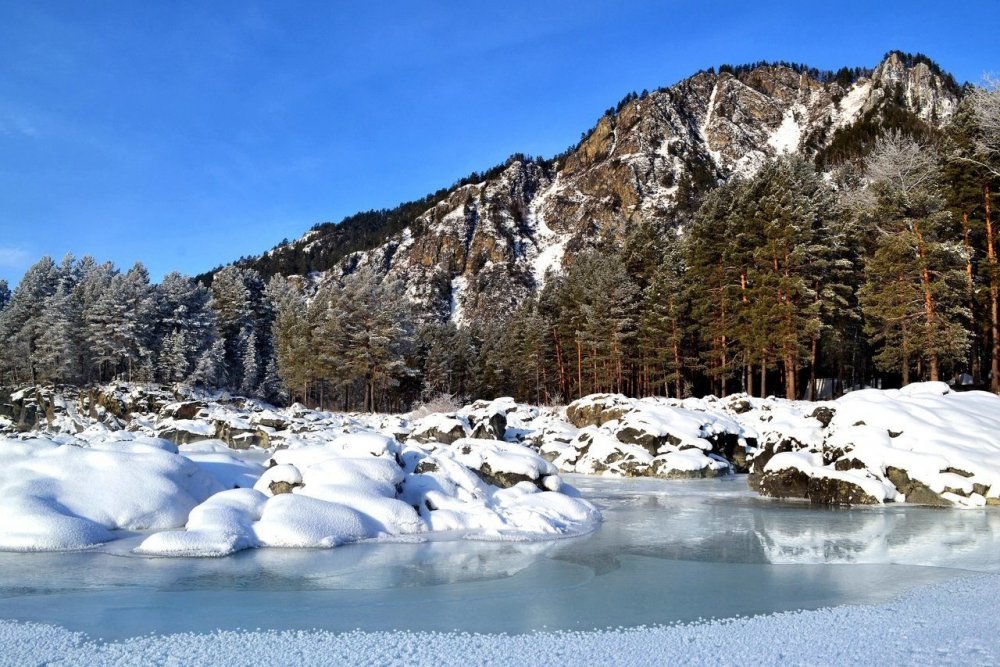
x: 579, y: 368
x: 812, y: 368
x: 994, y: 296
x: 925, y: 277
x: 563, y: 380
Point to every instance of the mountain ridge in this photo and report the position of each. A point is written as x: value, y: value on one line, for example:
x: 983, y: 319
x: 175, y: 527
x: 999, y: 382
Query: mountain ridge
x: 477, y: 248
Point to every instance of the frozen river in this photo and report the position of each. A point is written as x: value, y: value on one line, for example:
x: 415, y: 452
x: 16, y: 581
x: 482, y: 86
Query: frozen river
x: 666, y: 552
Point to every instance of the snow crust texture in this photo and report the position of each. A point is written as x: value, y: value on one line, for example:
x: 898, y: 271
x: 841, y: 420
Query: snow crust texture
x: 948, y: 624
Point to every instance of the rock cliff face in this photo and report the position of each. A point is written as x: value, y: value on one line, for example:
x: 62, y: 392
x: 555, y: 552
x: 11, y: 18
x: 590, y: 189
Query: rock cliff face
x: 487, y: 245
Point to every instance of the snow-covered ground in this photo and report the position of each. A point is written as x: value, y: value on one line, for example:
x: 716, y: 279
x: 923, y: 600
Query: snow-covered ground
x: 455, y: 510
x: 212, y: 475
x: 945, y: 624
x: 667, y: 552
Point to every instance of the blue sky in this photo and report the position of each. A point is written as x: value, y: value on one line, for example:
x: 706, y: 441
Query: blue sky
x: 186, y: 134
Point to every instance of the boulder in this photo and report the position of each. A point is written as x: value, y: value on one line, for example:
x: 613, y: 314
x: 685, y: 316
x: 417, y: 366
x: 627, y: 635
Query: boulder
x: 180, y: 433
x: 914, y: 492
x: 834, y: 491
x: 661, y: 468
x: 597, y: 409
x: 729, y: 447
x: 823, y: 414
x: 270, y: 419
x: 492, y: 427
x: 784, y: 483
x: 648, y: 441
x: 763, y: 454
x: 443, y: 429
x: 502, y: 479
x: 277, y: 487
x: 182, y: 409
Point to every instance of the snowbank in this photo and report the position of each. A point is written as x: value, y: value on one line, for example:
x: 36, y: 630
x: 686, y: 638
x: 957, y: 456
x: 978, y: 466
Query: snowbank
x: 56, y: 496
x: 206, y: 499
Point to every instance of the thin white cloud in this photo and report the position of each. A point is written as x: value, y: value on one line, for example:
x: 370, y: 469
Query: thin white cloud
x: 14, y: 258
x: 16, y: 124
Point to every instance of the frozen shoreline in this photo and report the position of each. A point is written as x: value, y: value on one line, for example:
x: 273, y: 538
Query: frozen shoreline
x: 945, y: 623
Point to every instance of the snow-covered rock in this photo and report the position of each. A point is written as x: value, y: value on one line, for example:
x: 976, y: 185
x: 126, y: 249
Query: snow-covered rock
x: 327, y: 479
x: 924, y: 444
x: 55, y: 497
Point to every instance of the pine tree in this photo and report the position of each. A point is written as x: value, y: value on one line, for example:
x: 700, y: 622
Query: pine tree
x: 378, y: 333
x: 974, y: 176
x: 119, y: 327
x: 21, y: 322
x: 250, y: 370
x: 183, y: 327
x: 57, y: 351
x: 210, y: 370
x: 714, y: 270
x: 292, y: 337
x: 95, y: 280
x: 241, y: 307
x: 662, y: 327
x: 909, y: 222
x: 174, y: 365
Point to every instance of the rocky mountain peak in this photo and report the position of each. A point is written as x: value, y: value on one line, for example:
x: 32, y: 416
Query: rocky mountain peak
x: 480, y: 248
x: 925, y: 90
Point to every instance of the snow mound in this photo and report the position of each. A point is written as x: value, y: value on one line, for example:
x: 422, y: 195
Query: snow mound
x: 365, y: 486
x: 55, y: 497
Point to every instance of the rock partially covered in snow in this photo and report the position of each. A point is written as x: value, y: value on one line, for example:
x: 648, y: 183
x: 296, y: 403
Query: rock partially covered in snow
x: 922, y: 444
x: 597, y: 409
x: 440, y: 428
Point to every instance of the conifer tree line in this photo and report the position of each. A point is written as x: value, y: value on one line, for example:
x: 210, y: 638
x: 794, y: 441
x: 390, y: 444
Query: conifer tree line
x: 884, y: 268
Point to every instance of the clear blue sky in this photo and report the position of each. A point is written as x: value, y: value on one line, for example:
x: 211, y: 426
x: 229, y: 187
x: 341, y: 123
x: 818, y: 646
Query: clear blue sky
x: 187, y: 134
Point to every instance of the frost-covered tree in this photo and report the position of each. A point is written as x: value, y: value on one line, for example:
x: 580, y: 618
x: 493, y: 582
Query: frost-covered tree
x: 4, y: 294
x: 985, y: 104
x: 250, y: 370
x: 913, y: 297
x: 242, y: 309
x: 21, y: 322
x: 57, y: 354
x: 184, y: 326
x: 210, y: 370
x: 119, y: 327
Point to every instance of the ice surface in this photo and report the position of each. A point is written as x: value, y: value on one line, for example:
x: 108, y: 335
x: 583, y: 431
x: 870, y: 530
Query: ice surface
x: 929, y: 626
x: 667, y: 552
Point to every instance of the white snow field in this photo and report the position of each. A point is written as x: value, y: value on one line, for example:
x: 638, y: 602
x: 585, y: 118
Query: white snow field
x: 942, y: 624
x: 429, y: 539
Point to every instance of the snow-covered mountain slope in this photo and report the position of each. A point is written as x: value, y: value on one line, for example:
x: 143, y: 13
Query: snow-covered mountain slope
x: 480, y: 248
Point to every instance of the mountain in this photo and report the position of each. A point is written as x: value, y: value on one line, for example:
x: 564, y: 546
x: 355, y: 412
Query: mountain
x: 477, y: 249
